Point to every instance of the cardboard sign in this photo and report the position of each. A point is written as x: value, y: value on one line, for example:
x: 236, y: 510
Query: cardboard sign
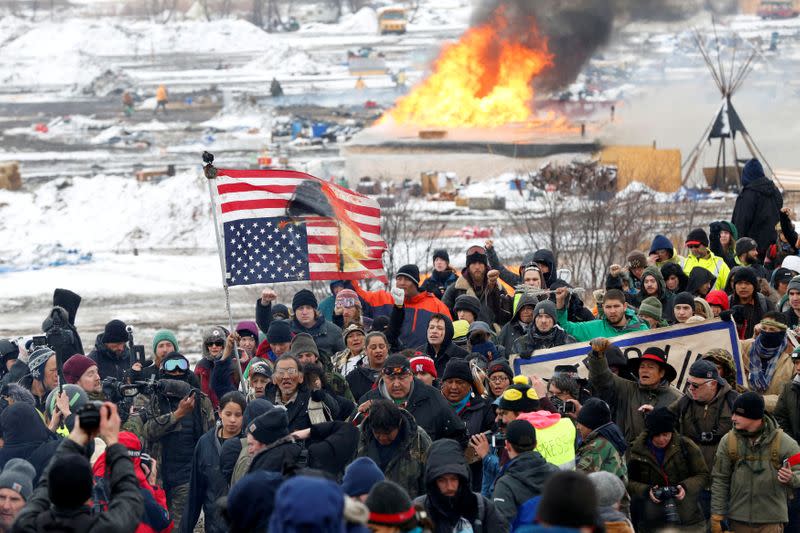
x: 683, y: 344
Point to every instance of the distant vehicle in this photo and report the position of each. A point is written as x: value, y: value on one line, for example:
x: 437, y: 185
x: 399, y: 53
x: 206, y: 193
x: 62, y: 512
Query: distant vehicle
x: 392, y: 20
x: 777, y: 9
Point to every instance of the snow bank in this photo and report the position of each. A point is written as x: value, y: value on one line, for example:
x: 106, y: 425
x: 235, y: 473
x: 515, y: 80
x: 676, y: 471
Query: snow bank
x: 365, y: 20
x: 108, y: 213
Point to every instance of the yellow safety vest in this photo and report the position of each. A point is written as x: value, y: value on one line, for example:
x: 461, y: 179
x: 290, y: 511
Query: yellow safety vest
x: 556, y: 443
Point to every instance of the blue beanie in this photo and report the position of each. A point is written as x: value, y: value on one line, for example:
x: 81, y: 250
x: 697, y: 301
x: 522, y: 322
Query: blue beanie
x: 360, y: 476
x: 752, y: 171
x: 252, y: 499
x: 293, y: 514
x: 37, y: 361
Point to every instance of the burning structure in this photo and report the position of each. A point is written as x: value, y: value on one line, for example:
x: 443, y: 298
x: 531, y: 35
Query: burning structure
x: 475, y: 113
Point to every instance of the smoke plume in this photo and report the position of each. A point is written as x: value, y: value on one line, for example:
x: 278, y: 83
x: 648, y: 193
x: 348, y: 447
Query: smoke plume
x: 575, y: 29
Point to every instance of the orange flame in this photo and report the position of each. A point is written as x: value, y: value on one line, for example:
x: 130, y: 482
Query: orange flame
x: 483, y: 80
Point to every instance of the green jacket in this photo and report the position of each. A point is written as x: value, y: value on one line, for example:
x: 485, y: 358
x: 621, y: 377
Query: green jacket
x: 683, y: 465
x: 586, y: 331
x: 627, y: 396
x: 749, y: 491
x: 787, y: 411
x: 597, y: 454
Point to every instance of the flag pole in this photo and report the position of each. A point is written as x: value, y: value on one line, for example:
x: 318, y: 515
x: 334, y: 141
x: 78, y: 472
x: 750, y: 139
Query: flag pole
x: 210, y: 172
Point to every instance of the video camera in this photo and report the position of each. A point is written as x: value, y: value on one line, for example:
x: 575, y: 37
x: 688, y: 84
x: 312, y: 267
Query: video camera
x: 123, y: 394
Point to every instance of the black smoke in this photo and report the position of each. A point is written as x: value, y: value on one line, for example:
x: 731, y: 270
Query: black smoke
x: 576, y: 29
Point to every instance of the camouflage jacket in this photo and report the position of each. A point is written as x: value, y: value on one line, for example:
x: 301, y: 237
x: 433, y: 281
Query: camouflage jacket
x: 598, y: 454
x: 338, y: 385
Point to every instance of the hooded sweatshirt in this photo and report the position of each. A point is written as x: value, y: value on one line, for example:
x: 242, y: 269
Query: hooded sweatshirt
x: 446, y: 351
x: 663, y: 295
x: 757, y: 208
x: 23, y: 432
x: 515, y: 329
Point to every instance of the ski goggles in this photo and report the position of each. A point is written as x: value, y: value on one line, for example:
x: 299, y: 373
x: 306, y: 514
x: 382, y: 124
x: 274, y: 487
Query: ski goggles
x: 174, y: 365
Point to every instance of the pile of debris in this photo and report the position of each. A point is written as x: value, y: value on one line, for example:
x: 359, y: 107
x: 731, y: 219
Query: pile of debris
x: 577, y: 178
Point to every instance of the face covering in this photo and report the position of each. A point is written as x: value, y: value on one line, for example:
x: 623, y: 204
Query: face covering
x: 772, y: 340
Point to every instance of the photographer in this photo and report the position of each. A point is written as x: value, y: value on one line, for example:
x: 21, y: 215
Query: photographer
x: 564, y: 391
x: 171, y: 419
x: 666, y: 474
x: 59, y: 502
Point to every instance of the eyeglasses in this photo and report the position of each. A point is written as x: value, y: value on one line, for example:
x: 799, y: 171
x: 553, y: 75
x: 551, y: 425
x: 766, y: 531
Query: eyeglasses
x: 280, y: 372
x: 215, y: 343
x: 697, y: 385
x: 499, y: 379
x: 172, y: 365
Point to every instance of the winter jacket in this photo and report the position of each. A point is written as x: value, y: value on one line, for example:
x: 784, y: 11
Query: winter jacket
x: 747, y: 489
x: 664, y: 296
x: 510, y: 278
x: 520, y: 479
x: 716, y: 265
x: 706, y: 423
x: 683, y: 465
x: 361, y: 380
x: 23, y: 432
x: 418, y: 311
x: 447, y: 457
x: 784, y: 372
x: 478, y: 416
x: 629, y: 396
x: 787, y: 411
x: 109, y: 364
x: 755, y: 213
x: 716, y: 246
x: 206, y: 486
x: 533, y: 341
x: 297, y: 410
x: 124, y: 510
x: 515, y: 329
x: 489, y: 298
x: 405, y: 465
x: 446, y: 351
x: 429, y: 408
x: 586, y: 331
x: 327, y: 335
x: 438, y: 282
x: 599, y: 454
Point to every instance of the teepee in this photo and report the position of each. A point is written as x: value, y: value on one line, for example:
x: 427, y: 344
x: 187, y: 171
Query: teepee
x: 726, y: 125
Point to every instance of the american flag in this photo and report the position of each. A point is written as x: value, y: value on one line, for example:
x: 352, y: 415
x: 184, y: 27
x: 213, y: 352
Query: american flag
x: 281, y: 225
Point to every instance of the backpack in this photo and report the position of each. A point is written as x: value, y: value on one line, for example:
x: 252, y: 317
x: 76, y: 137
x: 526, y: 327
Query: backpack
x: 774, y: 451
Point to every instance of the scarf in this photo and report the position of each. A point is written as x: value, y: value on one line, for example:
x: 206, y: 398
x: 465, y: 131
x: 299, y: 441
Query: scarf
x: 761, y: 377
x: 460, y: 405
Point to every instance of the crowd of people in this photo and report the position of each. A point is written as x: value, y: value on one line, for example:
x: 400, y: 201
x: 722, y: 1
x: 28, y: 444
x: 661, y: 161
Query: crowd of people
x: 401, y: 411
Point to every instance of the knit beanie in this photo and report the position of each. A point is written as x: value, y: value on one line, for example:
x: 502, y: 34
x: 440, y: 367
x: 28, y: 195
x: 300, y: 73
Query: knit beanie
x: 247, y: 328
x: 660, y: 420
x: 546, y: 307
x: 749, y: 405
x: 360, y: 476
x: 519, y: 398
x: 457, y: 369
x: 115, y: 331
x: 422, y: 363
x: 683, y: 298
x: 75, y: 367
x: 18, y: 476
x: 352, y: 328
x: 410, y: 272
x: 270, y: 426
x: 69, y: 481
x: 744, y: 245
x: 747, y: 275
x: 720, y: 299
x: 280, y: 312
x: 794, y: 284
x: 37, y: 361
x: 522, y: 435
x: 347, y: 298
x: 651, y: 307
x: 303, y: 297
x: 441, y: 254
x: 637, y: 259
x: 303, y: 343
x: 467, y: 302
x: 697, y: 236
x: 594, y: 413
x: 568, y: 500
x: 500, y: 365
x: 609, y: 488
x: 279, y: 332
x: 165, y: 335
x: 251, y: 500
x: 389, y: 504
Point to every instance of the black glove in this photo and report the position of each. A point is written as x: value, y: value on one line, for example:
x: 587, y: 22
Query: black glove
x: 738, y: 313
x: 726, y: 315
x: 318, y: 395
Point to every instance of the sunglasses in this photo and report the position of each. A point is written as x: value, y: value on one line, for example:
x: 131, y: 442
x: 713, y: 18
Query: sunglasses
x: 693, y: 246
x: 696, y: 386
x: 215, y: 343
x: 172, y: 365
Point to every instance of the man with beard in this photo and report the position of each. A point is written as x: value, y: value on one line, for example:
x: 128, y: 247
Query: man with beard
x: 544, y: 333
x: 617, y: 319
x: 633, y: 399
x: 449, y: 502
x: 653, y: 285
x: 426, y: 404
x: 476, y: 280
x: 111, y: 352
x: 440, y: 345
x: 171, y: 422
x: 81, y: 371
x: 747, y: 255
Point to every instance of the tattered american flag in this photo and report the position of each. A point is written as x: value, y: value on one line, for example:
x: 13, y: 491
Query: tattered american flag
x: 281, y: 225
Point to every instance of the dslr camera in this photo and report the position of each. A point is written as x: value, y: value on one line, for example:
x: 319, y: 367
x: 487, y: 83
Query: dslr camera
x: 666, y: 495
x: 561, y: 406
x: 496, y: 440
x: 89, y: 416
